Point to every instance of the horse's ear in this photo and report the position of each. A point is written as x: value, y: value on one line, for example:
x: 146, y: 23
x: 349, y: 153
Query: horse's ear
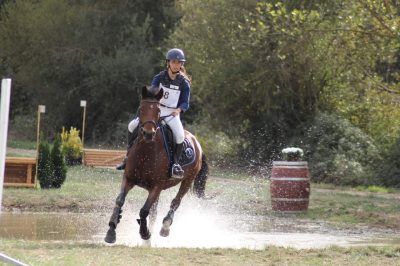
x: 160, y: 94
x: 144, y: 92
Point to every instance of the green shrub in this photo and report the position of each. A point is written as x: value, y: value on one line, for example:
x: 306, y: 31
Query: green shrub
x: 338, y: 152
x: 71, y: 146
x: 59, y: 168
x: 389, y: 171
x: 217, y: 145
x: 45, y: 167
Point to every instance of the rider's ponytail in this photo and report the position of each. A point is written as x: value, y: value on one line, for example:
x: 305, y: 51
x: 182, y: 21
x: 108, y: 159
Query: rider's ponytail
x: 185, y: 75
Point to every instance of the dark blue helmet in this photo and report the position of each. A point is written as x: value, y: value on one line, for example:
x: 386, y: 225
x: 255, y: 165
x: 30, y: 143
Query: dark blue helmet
x: 176, y: 54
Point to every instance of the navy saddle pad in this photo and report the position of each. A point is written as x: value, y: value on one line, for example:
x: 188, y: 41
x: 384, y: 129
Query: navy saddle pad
x: 188, y: 154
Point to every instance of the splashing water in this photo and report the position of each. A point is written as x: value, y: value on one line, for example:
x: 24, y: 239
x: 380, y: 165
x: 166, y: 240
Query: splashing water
x: 197, y: 224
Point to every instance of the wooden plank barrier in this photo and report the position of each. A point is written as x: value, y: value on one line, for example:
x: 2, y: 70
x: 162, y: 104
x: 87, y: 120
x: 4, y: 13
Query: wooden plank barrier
x: 103, y: 158
x: 20, y: 172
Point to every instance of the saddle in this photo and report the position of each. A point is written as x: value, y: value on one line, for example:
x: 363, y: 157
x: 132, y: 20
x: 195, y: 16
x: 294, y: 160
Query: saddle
x: 188, y: 154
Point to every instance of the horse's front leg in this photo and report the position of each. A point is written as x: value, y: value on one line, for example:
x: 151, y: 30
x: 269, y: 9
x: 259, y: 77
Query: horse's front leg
x: 144, y: 232
x: 167, y: 221
x: 153, y: 215
x: 116, y: 215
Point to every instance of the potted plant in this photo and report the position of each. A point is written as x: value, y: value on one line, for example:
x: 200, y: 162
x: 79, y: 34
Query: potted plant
x: 292, y: 154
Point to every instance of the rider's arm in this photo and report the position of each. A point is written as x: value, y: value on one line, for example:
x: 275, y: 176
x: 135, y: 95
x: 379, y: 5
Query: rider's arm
x: 184, y: 97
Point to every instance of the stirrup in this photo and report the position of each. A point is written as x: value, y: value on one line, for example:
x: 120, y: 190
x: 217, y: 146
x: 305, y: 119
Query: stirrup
x: 177, y: 171
x: 122, y: 165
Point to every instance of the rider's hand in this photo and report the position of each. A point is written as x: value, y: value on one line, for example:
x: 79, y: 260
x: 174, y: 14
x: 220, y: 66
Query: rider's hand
x: 176, y: 112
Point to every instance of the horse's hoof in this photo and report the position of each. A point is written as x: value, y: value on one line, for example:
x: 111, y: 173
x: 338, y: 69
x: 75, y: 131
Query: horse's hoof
x: 111, y: 236
x: 165, y: 228
x: 146, y: 235
x: 164, y: 232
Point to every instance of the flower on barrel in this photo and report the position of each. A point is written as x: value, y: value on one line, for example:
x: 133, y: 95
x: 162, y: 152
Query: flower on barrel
x: 292, y: 154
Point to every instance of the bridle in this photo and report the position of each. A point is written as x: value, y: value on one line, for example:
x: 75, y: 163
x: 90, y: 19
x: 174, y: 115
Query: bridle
x: 152, y: 122
x: 161, y: 123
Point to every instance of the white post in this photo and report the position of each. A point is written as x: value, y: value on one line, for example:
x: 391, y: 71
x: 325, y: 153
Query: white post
x: 5, y: 108
x: 83, y: 104
x: 41, y: 109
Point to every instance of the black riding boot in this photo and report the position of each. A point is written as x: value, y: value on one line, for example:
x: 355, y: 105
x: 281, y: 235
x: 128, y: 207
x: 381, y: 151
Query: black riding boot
x: 177, y: 171
x: 131, y: 139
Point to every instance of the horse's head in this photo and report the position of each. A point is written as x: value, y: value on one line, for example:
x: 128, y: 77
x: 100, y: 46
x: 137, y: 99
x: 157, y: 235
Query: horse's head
x: 149, y: 112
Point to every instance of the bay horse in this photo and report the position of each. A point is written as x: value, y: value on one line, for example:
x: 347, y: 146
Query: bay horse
x: 148, y: 166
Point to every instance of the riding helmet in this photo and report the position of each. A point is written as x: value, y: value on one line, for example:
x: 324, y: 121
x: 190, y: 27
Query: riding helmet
x: 177, y: 54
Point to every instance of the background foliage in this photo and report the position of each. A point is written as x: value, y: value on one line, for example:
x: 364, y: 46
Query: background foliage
x: 323, y: 75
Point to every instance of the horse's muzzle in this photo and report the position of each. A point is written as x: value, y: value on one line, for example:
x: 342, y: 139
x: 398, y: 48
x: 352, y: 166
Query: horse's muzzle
x: 148, y: 135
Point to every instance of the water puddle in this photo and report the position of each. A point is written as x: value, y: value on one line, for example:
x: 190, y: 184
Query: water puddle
x: 192, y: 228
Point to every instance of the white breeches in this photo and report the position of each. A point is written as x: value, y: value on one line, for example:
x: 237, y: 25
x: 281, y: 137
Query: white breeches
x: 174, y: 122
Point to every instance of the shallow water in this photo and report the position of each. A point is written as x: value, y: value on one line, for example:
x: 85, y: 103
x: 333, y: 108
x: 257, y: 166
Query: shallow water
x: 193, y: 227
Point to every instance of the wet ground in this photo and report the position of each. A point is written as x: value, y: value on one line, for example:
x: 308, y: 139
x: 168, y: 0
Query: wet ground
x: 195, y: 225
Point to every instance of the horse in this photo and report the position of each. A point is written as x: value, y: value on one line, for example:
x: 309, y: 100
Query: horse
x: 148, y: 167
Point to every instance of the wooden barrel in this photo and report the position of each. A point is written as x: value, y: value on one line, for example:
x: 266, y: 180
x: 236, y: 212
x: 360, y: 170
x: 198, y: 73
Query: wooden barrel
x: 290, y: 186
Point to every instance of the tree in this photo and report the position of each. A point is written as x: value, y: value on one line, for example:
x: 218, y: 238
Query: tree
x: 267, y: 80
x: 59, y: 167
x: 45, y: 167
x: 272, y: 65
x: 100, y: 51
x: 388, y: 173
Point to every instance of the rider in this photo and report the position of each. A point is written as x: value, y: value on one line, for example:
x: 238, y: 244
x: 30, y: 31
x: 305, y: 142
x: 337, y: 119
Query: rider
x: 176, y: 86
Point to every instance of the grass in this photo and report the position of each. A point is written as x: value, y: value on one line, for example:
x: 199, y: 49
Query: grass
x: 94, y: 189
x: 21, y: 144
x: 377, y: 189
x: 347, y: 208
x: 85, y: 189
x: 56, y: 253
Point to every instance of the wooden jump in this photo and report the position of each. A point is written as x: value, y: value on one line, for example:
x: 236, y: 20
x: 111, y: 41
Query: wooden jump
x: 20, y: 172
x: 103, y: 158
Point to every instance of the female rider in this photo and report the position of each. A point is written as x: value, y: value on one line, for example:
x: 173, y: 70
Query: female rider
x: 175, y: 100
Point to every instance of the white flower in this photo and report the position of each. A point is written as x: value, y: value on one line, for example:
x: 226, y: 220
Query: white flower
x: 292, y: 150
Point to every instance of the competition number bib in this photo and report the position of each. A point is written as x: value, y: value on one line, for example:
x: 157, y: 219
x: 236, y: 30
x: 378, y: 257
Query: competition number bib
x: 171, y: 96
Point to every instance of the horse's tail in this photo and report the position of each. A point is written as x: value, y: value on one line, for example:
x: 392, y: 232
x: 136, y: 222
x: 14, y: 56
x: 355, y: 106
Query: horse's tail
x: 201, y: 179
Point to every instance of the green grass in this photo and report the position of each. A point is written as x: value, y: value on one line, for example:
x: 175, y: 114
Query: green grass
x: 84, y: 189
x: 92, y: 189
x: 377, y: 189
x: 345, y: 208
x: 57, y: 253
x: 21, y: 144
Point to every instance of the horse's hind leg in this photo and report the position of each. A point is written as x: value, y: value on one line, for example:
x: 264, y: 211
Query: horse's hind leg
x: 153, y: 197
x: 116, y: 215
x: 167, y: 221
